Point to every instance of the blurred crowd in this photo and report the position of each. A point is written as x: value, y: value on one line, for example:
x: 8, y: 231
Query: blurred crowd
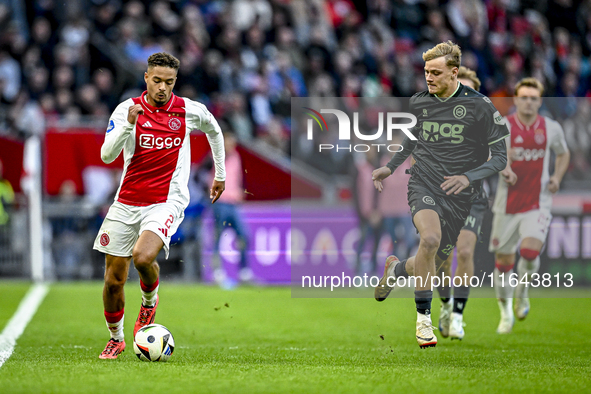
x: 246, y: 59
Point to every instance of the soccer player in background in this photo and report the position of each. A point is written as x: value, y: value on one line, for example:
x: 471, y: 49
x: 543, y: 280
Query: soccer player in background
x: 452, y: 308
x: 153, y: 131
x: 456, y: 127
x: 522, y: 210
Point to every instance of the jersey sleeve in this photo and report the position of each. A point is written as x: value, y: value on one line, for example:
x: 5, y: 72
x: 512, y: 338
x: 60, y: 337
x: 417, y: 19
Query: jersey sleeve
x: 118, y: 132
x: 199, y: 118
x: 556, y: 139
x: 493, y: 122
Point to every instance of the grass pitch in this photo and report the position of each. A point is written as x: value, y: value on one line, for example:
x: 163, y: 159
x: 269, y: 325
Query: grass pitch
x: 260, y: 340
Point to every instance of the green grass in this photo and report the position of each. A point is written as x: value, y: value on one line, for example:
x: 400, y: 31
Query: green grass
x: 265, y: 341
x: 11, y: 294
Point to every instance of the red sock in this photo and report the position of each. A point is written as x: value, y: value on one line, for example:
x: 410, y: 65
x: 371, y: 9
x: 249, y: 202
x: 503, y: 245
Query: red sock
x: 148, y: 288
x: 504, y: 268
x: 114, y: 317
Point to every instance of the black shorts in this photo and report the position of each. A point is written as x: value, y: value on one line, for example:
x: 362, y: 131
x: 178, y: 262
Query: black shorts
x: 474, y: 220
x: 452, y: 212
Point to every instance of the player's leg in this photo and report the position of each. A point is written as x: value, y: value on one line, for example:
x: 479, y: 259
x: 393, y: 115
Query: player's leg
x: 427, y: 223
x: 145, y: 251
x: 422, y: 266
x: 503, y: 242
x: 465, y: 270
x: 444, y: 290
x: 533, y: 231
x: 158, y: 224
x: 116, y: 270
x: 528, y: 264
x: 115, y: 239
x: 503, y: 270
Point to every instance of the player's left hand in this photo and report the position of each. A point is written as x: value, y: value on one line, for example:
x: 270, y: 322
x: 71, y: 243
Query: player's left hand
x: 455, y: 184
x: 217, y: 188
x: 553, y: 184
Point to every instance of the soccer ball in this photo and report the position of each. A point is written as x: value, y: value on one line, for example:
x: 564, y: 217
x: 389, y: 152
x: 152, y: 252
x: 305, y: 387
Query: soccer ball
x: 153, y: 343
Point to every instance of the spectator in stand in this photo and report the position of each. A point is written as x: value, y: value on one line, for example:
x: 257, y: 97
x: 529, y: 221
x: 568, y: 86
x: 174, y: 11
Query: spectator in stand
x: 227, y: 211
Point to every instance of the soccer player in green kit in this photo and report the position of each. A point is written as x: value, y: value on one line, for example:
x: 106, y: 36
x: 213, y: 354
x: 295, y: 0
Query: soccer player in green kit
x: 456, y: 128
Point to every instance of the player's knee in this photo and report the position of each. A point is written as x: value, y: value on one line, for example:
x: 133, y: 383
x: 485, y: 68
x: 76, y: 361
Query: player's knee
x: 142, y: 260
x: 430, y: 241
x: 529, y: 254
x: 465, y: 254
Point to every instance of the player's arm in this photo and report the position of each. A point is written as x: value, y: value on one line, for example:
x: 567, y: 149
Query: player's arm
x: 382, y: 173
x: 198, y: 117
x: 497, y: 163
x: 119, y: 130
x: 509, y: 176
x: 496, y: 127
x: 558, y: 145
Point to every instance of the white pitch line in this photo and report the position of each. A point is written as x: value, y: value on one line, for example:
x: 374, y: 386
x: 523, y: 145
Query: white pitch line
x: 17, y: 324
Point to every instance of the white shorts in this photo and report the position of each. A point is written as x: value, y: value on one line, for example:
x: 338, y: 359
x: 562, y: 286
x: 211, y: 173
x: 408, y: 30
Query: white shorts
x: 508, y: 230
x: 124, y: 224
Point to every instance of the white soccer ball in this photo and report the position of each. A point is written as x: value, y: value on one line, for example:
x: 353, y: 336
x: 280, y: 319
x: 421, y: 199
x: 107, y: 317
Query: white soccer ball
x: 153, y: 343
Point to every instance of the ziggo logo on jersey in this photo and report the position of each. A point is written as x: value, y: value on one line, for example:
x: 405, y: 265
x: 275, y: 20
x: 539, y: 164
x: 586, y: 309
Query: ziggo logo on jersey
x: 148, y: 141
x: 520, y: 154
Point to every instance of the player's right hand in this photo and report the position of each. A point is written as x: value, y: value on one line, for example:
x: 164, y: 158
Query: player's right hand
x: 133, y: 113
x: 509, y: 176
x: 378, y: 175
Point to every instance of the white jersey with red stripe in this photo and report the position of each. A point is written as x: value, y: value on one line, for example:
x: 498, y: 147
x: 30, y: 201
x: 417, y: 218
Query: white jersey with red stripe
x: 156, y: 150
x: 530, y: 148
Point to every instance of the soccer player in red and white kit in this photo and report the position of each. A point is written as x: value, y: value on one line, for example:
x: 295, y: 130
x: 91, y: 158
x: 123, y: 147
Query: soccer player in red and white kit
x: 153, y: 130
x: 524, y: 197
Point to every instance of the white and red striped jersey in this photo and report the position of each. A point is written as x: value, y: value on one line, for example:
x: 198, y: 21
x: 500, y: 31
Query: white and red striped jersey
x: 531, y: 157
x: 156, y: 150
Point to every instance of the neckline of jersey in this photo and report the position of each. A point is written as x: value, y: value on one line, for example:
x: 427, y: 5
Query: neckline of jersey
x: 525, y: 127
x: 447, y: 98
x: 153, y: 109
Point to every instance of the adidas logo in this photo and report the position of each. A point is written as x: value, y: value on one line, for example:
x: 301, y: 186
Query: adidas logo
x: 519, y: 139
x: 164, y: 231
x: 147, y: 124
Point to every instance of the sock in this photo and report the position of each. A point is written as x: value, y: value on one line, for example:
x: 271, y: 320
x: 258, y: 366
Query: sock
x: 115, y: 324
x: 423, y: 301
x: 528, y: 267
x: 400, y: 269
x: 149, y: 293
x: 461, y: 294
x: 505, y: 291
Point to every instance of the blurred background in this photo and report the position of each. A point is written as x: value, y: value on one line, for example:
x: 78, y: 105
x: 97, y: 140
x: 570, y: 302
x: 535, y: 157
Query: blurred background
x: 64, y: 67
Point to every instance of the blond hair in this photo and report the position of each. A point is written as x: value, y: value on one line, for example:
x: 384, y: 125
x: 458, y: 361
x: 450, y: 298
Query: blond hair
x: 451, y: 51
x: 530, y: 82
x: 466, y: 73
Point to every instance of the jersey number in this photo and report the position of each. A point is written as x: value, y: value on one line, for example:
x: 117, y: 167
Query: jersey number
x: 169, y: 221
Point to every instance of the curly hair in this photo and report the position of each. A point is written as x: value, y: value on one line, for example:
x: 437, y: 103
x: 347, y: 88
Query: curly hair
x: 163, y: 59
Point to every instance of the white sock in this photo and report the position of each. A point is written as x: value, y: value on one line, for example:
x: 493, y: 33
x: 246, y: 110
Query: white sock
x: 502, y: 288
x: 149, y: 298
x: 116, y: 330
x: 528, y: 267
